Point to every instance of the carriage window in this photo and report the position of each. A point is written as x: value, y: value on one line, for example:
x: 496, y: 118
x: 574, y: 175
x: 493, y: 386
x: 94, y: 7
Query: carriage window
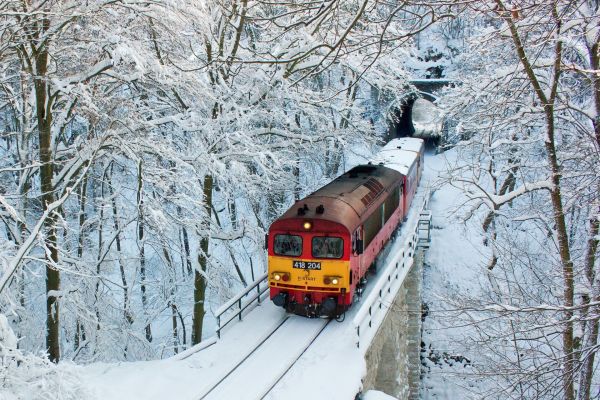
x: 287, y: 245
x: 327, y: 247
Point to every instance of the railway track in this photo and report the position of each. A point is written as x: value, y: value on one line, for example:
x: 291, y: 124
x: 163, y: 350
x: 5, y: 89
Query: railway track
x: 284, y: 372
x: 254, y: 371
x: 246, y: 356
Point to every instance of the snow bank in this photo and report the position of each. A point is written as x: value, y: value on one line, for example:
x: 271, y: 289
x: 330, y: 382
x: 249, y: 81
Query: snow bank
x: 377, y: 395
x: 31, y: 377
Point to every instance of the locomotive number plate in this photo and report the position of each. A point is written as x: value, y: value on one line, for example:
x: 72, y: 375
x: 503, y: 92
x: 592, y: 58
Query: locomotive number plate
x: 306, y: 265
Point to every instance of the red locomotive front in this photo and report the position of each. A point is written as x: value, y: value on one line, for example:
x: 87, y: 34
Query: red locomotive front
x: 309, y: 262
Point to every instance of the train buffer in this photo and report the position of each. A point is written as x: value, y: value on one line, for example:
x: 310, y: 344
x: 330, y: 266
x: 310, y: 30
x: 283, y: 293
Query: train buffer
x: 424, y: 229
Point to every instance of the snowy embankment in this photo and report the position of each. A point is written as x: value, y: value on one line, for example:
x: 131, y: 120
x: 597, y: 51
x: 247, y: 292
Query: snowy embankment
x: 452, y: 267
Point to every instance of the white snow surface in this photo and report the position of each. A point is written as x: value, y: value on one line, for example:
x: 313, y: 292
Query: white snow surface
x: 453, y: 266
x: 193, y: 376
x: 8, y: 339
x: 399, y: 154
x: 377, y: 395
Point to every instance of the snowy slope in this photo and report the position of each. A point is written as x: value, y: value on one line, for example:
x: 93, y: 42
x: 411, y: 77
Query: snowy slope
x: 452, y: 266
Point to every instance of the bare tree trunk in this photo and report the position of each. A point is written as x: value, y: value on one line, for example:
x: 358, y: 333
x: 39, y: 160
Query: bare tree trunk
x: 296, y: 167
x: 232, y: 213
x: 587, y: 370
x: 126, y: 312
x: 187, y: 267
x: 80, y: 329
x: 172, y: 304
x: 199, y: 277
x: 142, y: 251
x: 24, y: 187
x: 43, y: 102
x: 100, y: 249
x: 489, y: 220
x: 548, y: 102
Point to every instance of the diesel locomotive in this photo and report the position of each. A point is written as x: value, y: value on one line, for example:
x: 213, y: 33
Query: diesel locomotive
x: 322, y: 247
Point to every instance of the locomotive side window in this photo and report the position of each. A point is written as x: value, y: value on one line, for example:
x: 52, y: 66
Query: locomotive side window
x: 391, y: 204
x: 327, y: 247
x: 287, y: 245
x: 372, y: 226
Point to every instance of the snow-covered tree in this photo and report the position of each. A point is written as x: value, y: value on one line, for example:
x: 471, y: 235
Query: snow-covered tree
x: 528, y: 108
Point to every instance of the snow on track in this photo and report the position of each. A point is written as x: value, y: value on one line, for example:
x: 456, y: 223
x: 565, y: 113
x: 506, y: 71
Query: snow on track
x: 224, y: 380
x: 262, y: 370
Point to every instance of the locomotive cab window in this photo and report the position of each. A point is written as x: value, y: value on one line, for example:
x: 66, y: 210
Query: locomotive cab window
x: 287, y: 245
x: 327, y: 247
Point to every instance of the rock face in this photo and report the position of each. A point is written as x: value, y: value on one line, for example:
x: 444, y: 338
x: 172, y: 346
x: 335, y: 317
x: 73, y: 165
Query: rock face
x: 393, y: 364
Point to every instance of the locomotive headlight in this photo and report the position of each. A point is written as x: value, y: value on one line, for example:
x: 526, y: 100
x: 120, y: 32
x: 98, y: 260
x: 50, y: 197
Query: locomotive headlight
x: 335, y: 281
x: 331, y: 280
x: 280, y: 276
x: 307, y: 225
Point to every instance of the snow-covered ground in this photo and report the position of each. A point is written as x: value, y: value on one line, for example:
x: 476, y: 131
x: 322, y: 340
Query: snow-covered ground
x: 451, y: 268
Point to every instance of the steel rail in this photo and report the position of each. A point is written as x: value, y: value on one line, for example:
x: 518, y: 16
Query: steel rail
x: 294, y: 361
x: 236, y: 366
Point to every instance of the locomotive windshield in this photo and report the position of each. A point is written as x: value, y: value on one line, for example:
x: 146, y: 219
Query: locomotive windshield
x: 327, y: 247
x: 287, y: 245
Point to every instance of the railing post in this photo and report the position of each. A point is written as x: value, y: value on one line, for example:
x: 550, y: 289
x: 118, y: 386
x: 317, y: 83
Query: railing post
x: 219, y: 327
x: 240, y: 306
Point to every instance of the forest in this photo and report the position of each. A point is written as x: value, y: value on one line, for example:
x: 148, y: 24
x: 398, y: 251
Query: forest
x: 146, y: 146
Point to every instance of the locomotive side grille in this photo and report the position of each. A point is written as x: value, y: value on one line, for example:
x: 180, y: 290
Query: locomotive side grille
x: 302, y: 287
x: 375, y: 188
x: 374, y: 185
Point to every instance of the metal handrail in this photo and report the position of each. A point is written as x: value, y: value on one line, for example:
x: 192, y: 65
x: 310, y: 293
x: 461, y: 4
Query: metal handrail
x: 242, y: 300
x: 424, y: 227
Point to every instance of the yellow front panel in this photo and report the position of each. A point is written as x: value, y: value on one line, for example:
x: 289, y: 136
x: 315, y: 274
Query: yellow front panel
x: 305, y: 278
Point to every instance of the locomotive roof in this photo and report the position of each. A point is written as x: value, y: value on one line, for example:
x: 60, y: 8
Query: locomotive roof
x: 347, y: 199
